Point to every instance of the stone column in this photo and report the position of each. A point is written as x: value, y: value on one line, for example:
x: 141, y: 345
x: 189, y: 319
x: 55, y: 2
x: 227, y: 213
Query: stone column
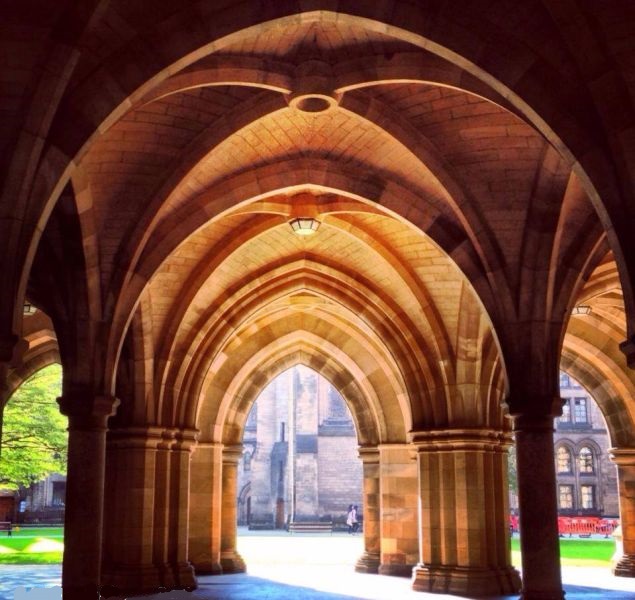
x: 399, y: 551
x: 463, y: 510
x: 129, y: 520
x: 205, y: 508
x: 624, y: 458
x: 4, y: 396
x: 185, y: 441
x: 230, y: 560
x: 87, y: 421
x: 539, y: 539
x: 369, y: 561
x: 162, y: 487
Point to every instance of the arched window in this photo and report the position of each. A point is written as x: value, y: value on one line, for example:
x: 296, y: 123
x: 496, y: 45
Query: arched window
x: 563, y: 460
x: 585, y: 460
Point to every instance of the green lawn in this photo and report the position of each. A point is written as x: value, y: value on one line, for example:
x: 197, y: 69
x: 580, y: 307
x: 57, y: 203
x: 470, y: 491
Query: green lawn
x: 41, y: 545
x: 44, y: 545
x: 577, y: 552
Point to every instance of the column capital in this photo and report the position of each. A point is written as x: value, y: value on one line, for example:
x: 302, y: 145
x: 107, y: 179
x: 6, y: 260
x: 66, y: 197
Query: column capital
x: 232, y: 454
x: 533, y: 422
x: 369, y: 454
x: 87, y: 411
x: 135, y: 437
x: 450, y: 440
x: 628, y: 348
x: 622, y: 456
x: 12, y: 349
x: 7, y: 344
x: 534, y: 406
x: 185, y: 440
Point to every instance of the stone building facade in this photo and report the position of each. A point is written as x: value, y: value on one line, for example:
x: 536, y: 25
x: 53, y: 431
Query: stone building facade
x: 587, y: 479
x: 300, y: 458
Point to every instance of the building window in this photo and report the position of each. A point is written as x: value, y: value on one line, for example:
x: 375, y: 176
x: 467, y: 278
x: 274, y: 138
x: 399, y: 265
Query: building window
x: 563, y: 460
x: 585, y: 460
x: 59, y: 493
x: 565, y: 494
x: 587, y: 496
x: 579, y: 410
x: 564, y: 380
x: 566, y: 413
x: 247, y: 461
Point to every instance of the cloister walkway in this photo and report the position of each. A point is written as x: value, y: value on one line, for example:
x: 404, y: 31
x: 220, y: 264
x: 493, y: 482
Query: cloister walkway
x: 315, y: 567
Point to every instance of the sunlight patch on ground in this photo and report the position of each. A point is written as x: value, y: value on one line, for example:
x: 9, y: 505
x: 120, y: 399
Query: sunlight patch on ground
x: 45, y: 545
x: 299, y: 549
x: 5, y: 550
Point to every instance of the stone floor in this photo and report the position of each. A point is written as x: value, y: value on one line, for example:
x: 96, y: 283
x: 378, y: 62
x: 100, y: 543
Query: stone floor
x: 307, y: 567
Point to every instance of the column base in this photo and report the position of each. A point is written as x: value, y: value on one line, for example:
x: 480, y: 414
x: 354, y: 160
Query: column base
x: 395, y: 569
x: 184, y: 576
x: 232, y: 562
x: 80, y: 592
x: 207, y: 568
x: 465, y: 581
x: 538, y: 595
x: 368, y: 563
x: 120, y: 580
x: 625, y: 566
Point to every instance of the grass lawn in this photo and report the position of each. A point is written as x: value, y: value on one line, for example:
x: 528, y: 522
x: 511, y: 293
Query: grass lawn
x: 45, y: 545
x: 41, y: 545
x: 577, y: 552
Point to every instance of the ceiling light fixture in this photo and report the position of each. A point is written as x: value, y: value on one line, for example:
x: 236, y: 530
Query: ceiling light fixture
x: 28, y: 309
x: 581, y: 309
x: 304, y: 225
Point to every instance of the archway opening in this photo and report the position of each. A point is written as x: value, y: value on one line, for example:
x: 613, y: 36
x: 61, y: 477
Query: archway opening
x: 300, y: 472
x: 33, y: 453
x: 586, y: 479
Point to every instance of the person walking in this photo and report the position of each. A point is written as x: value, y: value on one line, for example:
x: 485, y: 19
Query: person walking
x: 355, y: 519
x: 351, y: 518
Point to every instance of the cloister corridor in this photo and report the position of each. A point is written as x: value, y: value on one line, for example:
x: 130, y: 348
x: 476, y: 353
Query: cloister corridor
x: 309, y: 567
x: 429, y: 203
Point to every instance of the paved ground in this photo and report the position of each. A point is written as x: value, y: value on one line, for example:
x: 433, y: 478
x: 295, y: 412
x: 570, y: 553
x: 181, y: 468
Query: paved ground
x: 308, y: 567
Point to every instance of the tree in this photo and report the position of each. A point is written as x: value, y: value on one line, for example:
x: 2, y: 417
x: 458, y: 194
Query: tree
x: 512, y: 471
x: 34, y: 437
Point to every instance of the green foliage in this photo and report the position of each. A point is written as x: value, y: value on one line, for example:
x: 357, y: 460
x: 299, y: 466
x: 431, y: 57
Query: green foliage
x: 34, y: 436
x: 512, y: 475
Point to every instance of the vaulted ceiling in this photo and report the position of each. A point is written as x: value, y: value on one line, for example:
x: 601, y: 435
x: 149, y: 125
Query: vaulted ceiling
x: 451, y: 221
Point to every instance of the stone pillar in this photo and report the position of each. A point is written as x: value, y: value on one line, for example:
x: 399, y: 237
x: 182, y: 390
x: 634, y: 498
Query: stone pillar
x: 162, y: 486
x: 128, y: 562
x: 230, y: 560
x: 369, y: 561
x: 4, y: 396
x: 624, y: 458
x: 306, y: 446
x: 262, y: 510
x: 539, y: 539
x: 185, y: 441
x: 87, y: 421
x: 205, y: 508
x: 399, y: 551
x: 463, y: 510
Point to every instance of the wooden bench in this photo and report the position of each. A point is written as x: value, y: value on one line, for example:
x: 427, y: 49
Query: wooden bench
x: 6, y: 526
x: 311, y: 527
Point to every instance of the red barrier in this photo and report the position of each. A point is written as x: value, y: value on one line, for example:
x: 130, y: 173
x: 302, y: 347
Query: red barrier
x: 586, y: 526
x: 580, y: 526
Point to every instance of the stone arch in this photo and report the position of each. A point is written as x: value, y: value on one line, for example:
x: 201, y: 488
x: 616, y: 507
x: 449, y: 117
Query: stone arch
x: 30, y: 366
x: 608, y: 385
x: 299, y: 348
x: 416, y: 32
